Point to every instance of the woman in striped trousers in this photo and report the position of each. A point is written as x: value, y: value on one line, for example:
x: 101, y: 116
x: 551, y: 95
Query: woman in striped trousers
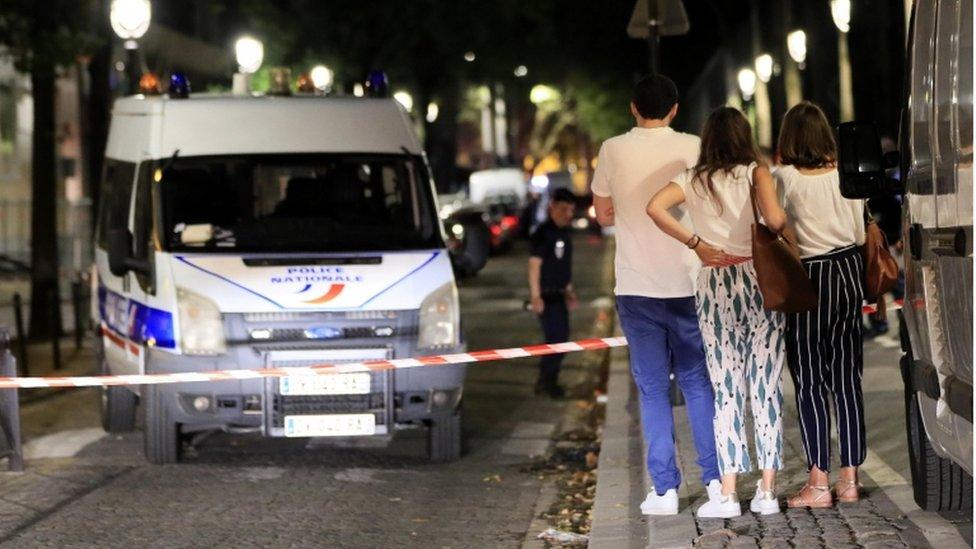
x: 824, y: 346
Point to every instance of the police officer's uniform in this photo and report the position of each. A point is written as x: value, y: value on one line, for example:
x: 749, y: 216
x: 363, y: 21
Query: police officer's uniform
x: 554, y: 246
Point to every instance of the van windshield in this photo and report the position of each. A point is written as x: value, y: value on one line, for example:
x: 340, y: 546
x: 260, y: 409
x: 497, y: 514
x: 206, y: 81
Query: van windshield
x: 296, y: 203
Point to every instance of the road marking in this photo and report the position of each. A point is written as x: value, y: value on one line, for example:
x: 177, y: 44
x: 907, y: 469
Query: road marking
x: 938, y: 531
x: 61, y: 444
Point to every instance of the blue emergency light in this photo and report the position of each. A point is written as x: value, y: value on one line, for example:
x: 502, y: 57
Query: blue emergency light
x: 179, y: 86
x: 377, y: 84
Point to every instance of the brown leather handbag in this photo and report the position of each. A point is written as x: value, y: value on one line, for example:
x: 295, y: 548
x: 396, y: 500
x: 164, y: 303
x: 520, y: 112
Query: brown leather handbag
x: 783, y: 282
x: 880, y: 268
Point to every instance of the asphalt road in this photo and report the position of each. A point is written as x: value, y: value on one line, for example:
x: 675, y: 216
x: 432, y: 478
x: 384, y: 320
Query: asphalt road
x: 83, y: 488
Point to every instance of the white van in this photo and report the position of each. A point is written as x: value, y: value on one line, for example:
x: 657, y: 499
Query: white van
x: 259, y: 232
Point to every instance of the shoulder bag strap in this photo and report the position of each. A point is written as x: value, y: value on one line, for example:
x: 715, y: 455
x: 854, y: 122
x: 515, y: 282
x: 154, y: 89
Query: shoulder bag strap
x: 752, y: 194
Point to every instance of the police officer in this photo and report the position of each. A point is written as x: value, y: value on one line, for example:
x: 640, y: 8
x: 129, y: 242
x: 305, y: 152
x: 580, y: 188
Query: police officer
x: 550, y: 283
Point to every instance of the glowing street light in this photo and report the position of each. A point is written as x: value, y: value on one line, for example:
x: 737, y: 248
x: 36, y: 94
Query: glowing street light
x: 130, y: 19
x: 796, y: 42
x: 764, y: 67
x: 321, y: 78
x: 521, y: 71
x: 541, y: 93
x: 747, y: 82
x: 249, y: 53
x: 405, y: 99
x: 357, y: 90
x: 469, y: 56
x: 840, y: 10
x: 432, y: 111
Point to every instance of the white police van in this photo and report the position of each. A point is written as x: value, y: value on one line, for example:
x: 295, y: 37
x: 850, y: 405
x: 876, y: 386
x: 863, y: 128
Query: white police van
x: 273, y: 232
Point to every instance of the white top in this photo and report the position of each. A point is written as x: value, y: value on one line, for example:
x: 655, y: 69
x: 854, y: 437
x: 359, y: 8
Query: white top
x: 630, y: 169
x: 727, y: 222
x: 822, y: 218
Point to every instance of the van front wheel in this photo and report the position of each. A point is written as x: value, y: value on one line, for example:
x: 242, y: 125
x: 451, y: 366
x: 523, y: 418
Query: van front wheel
x: 118, y: 405
x: 163, y: 442
x: 444, y: 438
x: 118, y: 410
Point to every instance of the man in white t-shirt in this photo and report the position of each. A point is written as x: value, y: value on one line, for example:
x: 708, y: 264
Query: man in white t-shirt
x: 655, y: 286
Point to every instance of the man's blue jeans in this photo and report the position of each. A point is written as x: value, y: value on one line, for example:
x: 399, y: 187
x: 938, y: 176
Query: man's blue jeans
x: 663, y: 337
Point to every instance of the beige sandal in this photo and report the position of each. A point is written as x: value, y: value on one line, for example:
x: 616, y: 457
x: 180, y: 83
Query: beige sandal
x: 848, y: 491
x: 822, y: 501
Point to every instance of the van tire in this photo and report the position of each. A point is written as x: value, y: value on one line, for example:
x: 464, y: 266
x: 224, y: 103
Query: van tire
x: 118, y: 410
x: 444, y: 438
x: 938, y: 484
x: 163, y: 443
x: 118, y: 403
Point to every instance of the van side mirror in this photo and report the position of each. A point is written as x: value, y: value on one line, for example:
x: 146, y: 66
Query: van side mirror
x: 120, y: 260
x: 119, y: 246
x: 861, y: 165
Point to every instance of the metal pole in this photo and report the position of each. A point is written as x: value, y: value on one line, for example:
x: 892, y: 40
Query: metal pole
x: 21, y: 336
x: 56, y: 324
x: 653, y: 36
x: 76, y: 310
x: 133, y: 67
x: 9, y: 409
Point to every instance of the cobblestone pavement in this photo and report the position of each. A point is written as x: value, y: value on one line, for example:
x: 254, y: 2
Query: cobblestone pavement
x: 250, y: 491
x: 876, y: 521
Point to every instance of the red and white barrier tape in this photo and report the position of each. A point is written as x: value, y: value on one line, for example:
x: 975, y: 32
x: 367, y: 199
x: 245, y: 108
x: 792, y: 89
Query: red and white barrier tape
x: 325, y: 369
x: 329, y: 369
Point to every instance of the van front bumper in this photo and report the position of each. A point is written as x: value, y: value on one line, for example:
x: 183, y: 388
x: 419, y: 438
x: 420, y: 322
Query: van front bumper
x: 401, y: 396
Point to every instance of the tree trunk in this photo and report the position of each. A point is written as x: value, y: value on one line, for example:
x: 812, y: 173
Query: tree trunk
x: 99, y: 102
x: 44, y: 225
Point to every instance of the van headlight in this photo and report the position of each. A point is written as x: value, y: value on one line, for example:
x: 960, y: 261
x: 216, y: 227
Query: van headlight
x: 439, y: 318
x: 201, y: 326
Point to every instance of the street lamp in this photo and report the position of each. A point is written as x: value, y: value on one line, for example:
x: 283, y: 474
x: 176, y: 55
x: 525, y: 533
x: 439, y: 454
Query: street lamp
x: 747, y: 83
x: 130, y: 21
x: 764, y: 67
x: 249, y: 52
x: 433, y: 110
x: 840, y: 10
x: 796, y: 42
x: 469, y: 56
x: 405, y: 99
x: 521, y: 71
x: 321, y: 78
x: 541, y: 93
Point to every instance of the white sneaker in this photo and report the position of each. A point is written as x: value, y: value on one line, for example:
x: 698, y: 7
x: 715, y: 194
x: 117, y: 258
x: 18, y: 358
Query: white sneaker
x: 660, y: 505
x: 720, y: 507
x: 714, y: 488
x: 764, y: 502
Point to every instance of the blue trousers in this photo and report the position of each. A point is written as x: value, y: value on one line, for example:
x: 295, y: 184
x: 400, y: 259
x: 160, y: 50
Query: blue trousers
x: 555, y: 328
x: 663, y: 337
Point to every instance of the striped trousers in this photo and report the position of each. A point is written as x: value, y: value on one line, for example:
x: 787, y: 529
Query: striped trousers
x: 825, y: 357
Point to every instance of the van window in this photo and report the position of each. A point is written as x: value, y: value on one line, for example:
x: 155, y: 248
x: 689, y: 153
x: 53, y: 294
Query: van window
x: 300, y: 203
x: 113, y: 210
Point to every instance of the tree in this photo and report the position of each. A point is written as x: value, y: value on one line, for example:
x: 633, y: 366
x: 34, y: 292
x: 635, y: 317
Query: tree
x: 41, y: 36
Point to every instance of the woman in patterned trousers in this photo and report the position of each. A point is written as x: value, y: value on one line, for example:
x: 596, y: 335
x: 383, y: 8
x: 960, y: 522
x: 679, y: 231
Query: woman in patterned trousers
x: 744, y: 343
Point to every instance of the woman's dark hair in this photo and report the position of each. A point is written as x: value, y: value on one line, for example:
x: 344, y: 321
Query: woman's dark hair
x: 726, y: 142
x: 805, y: 139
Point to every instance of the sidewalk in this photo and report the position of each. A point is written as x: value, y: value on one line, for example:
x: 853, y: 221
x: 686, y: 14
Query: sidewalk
x: 875, y: 521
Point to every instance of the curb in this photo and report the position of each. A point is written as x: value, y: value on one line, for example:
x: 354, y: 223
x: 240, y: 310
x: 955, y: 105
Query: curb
x: 623, y: 481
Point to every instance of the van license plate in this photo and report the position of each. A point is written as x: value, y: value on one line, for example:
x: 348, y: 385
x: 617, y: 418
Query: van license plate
x: 333, y: 384
x: 332, y: 425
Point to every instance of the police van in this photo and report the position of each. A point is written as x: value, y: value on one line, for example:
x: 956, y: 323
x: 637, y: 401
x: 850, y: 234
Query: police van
x: 273, y: 232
